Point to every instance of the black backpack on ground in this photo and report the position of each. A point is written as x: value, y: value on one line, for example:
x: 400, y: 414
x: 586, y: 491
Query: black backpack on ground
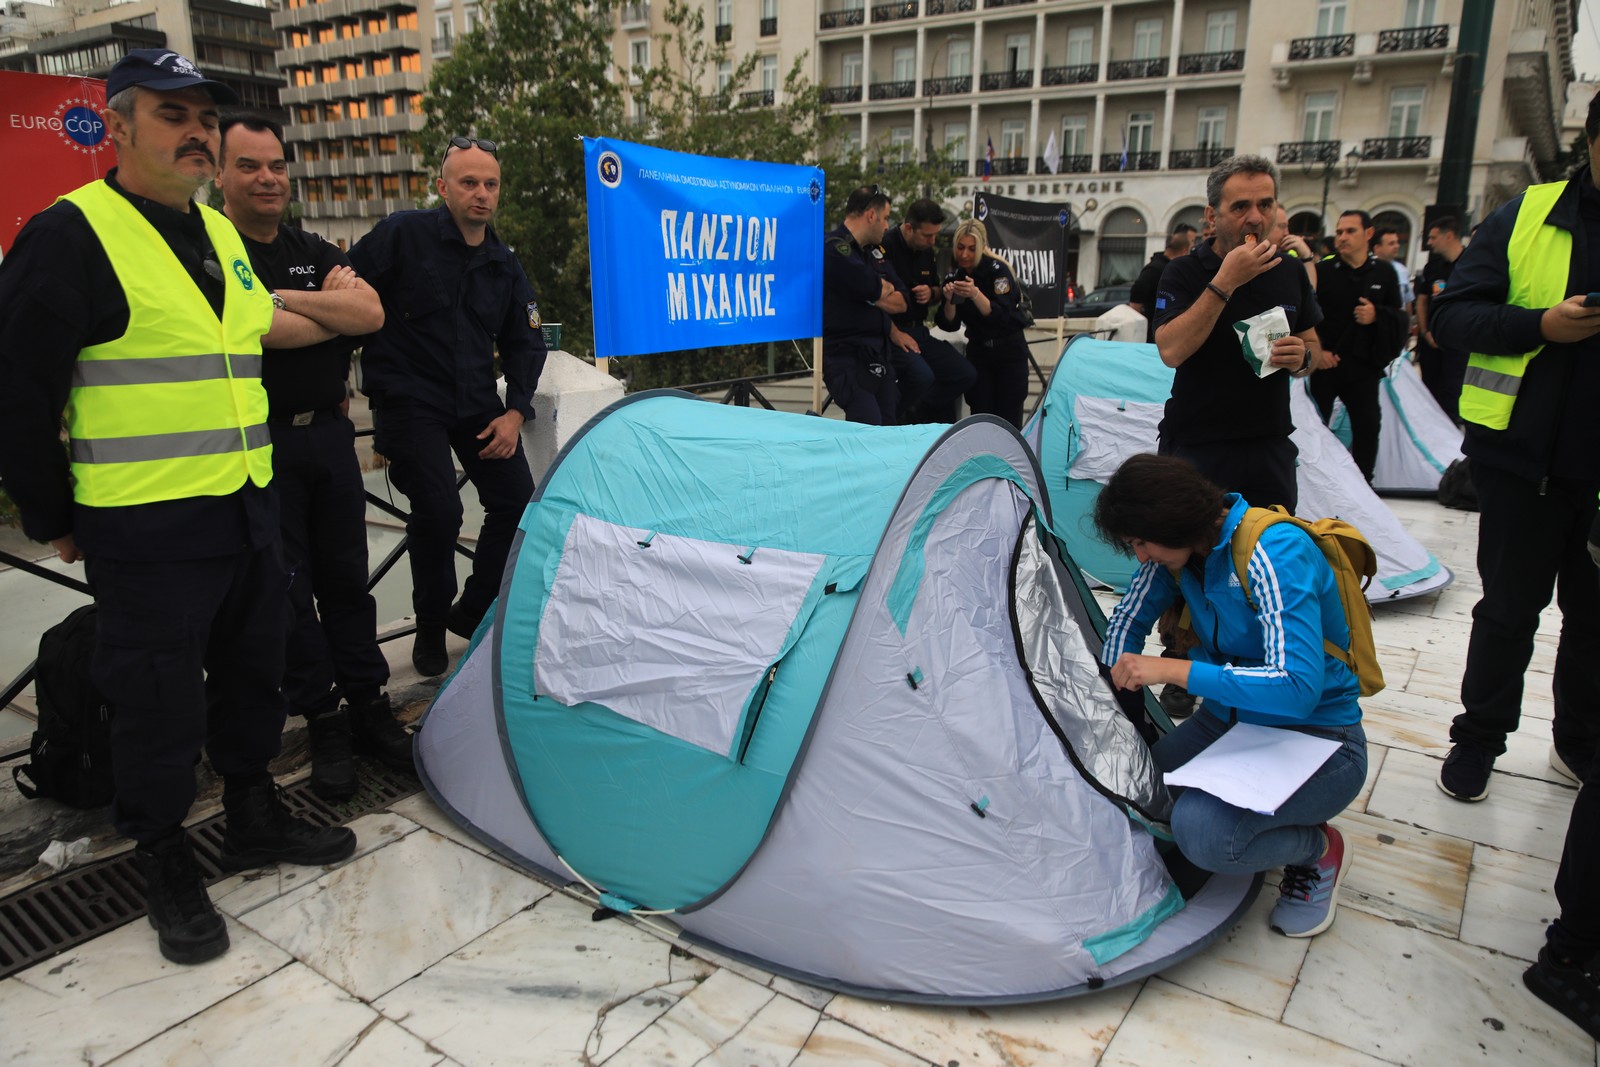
x: 71, y: 749
x: 1456, y: 489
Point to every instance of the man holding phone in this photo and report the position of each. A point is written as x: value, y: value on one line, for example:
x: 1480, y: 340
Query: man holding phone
x: 1519, y: 301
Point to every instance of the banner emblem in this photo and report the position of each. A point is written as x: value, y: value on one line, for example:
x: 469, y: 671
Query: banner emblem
x: 610, y: 170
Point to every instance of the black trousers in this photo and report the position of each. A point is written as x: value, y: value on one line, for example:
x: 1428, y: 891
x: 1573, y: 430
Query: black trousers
x: 1260, y: 469
x: 945, y: 377
x: 1529, y: 542
x: 190, y: 652
x: 1357, y: 386
x: 1443, y: 373
x: 1000, y: 380
x: 418, y: 441
x: 861, y: 380
x: 333, y: 619
x: 1576, y: 932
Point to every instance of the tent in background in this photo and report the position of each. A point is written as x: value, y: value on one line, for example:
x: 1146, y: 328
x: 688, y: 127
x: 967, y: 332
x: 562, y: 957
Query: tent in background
x: 829, y: 695
x: 1416, y: 441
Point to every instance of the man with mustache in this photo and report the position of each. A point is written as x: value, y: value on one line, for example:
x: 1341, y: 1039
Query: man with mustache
x: 136, y: 312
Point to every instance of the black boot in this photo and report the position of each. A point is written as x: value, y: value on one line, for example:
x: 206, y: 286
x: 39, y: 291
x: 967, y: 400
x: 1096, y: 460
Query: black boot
x: 379, y: 734
x: 333, y: 771
x: 260, y: 831
x: 427, y: 650
x: 462, y: 621
x: 188, y: 928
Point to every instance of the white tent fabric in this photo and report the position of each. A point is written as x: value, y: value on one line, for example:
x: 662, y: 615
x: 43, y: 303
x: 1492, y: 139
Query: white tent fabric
x: 1417, y: 440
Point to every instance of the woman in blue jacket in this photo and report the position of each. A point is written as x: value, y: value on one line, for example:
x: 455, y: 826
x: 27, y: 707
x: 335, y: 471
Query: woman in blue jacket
x: 1264, y: 665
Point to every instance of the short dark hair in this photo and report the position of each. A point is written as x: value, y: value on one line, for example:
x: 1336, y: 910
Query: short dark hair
x: 1162, y: 499
x: 921, y: 212
x: 1179, y: 242
x: 1383, y: 231
x: 1240, y: 164
x: 1183, y: 227
x: 1449, y: 223
x: 1591, y: 124
x: 253, y: 123
x: 1366, y: 220
x: 865, y: 199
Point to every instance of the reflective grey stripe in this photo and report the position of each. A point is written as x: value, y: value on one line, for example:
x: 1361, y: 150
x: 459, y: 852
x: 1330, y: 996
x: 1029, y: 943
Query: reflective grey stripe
x: 160, y: 370
x: 168, y: 445
x: 1493, y: 381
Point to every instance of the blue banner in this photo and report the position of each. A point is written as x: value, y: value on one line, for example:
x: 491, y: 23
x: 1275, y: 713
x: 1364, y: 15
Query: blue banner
x: 693, y: 252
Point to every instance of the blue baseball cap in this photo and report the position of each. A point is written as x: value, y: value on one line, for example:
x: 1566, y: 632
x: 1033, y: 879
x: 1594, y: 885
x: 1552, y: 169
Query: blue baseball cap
x: 163, y: 70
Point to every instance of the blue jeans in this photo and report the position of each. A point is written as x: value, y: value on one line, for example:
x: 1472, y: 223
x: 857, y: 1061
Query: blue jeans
x: 1216, y: 836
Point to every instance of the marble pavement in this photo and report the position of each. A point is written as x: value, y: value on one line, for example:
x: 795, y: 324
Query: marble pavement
x: 425, y: 949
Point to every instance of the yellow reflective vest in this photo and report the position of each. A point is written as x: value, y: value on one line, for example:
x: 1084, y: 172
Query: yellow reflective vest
x: 1538, y: 257
x: 173, y: 408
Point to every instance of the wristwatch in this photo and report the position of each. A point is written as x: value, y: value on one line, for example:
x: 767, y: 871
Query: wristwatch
x: 277, y: 302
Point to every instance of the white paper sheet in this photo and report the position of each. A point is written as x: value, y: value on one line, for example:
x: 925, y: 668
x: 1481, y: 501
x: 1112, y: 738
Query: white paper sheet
x: 1255, y: 767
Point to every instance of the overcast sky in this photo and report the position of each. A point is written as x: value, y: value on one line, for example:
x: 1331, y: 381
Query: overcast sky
x: 1586, y: 43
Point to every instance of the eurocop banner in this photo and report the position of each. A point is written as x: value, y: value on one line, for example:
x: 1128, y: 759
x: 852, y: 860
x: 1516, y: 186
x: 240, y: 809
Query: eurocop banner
x: 691, y: 251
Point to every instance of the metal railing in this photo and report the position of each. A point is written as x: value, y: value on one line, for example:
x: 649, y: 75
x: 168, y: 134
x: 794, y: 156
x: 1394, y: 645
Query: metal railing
x: 891, y: 90
x: 724, y: 32
x: 756, y: 98
x: 850, y: 16
x: 1017, y: 165
x: 1112, y: 161
x: 1125, y: 69
x: 842, y: 94
x: 769, y: 27
x: 1077, y: 74
x: 956, y: 83
x: 1329, y: 47
x: 1006, y: 79
x: 1413, y: 39
x: 1396, y: 147
x: 1197, y: 158
x: 1077, y: 163
x: 1308, y: 151
x: 905, y: 9
x: 949, y: 7
x: 1210, y: 62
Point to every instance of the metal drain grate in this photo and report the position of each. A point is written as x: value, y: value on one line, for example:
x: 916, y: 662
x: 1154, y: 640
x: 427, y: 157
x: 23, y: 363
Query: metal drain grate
x: 77, y: 905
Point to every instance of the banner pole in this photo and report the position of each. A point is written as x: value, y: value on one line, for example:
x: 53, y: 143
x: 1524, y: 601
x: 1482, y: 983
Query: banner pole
x: 816, y: 375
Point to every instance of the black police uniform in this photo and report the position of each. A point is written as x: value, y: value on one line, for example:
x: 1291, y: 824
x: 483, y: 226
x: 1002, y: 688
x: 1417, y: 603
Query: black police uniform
x: 321, y: 496
x: 945, y: 375
x: 1364, y: 350
x: 192, y: 611
x: 855, y: 331
x: 995, y: 343
x: 1443, y: 369
x: 448, y: 308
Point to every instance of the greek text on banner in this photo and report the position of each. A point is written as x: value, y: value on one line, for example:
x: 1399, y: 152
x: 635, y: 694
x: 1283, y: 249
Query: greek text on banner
x: 690, y: 251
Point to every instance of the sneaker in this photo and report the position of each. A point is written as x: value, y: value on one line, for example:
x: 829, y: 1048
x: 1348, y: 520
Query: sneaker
x: 462, y: 622
x: 1564, y: 767
x: 188, y: 928
x: 1568, y: 988
x: 333, y: 770
x: 259, y: 831
x: 380, y: 735
x: 427, y: 650
x: 1176, y: 701
x: 1307, y: 895
x: 1465, y: 774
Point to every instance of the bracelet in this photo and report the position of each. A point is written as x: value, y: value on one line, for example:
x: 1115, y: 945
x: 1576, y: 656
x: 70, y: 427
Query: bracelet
x: 1224, y: 297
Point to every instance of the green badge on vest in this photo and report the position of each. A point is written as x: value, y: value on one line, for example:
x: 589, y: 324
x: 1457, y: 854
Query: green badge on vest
x: 241, y: 270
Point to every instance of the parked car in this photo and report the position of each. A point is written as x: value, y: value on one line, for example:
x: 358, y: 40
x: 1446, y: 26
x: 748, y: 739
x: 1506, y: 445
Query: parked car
x: 1098, y: 302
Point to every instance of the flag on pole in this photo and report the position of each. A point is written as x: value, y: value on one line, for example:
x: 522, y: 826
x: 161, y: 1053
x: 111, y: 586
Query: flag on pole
x: 988, y: 159
x: 1124, y: 165
x: 1052, y: 155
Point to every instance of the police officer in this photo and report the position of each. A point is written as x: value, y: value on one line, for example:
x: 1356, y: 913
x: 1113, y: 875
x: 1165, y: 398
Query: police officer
x: 859, y: 294
x: 943, y: 373
x: 137, y: 312
x: 453, y: 294
x: 983, y: 296
x: 315, y: 470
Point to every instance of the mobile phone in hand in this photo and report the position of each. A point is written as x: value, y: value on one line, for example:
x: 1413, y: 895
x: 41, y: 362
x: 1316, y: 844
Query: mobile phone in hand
x: 1592, y: 300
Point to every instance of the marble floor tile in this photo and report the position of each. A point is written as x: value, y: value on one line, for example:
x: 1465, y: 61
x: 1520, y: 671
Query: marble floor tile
x: 243, y: 892
x: 1375, y: 754
x: 1420, y: 723
x: 1510, y: 900
x: 383, y: 1044
x: 708, y: 1017
x: 1413, y: 997
x: 810, y: 996
x: 1520, y: 814
x: 549, y: 985
x: 249, y: 1026
x: 373, y: 924
x: 97, y: 1001
x: 771, y: 1039
x: 1406, y: 873
x: 420, y: 809
x: 1062, y: 1032
x: 1253, y: 967
x: 1170, y: 1026
x: 1397, y: 664
x: 833, y: 1044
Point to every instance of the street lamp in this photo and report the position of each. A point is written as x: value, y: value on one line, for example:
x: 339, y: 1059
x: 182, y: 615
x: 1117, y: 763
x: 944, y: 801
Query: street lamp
x: 1324, y: 166
x: 927, y: 110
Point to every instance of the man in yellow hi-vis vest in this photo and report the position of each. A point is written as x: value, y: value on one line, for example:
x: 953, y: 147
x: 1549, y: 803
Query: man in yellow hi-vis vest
x: 135, y: 312
x: 1518, y: 301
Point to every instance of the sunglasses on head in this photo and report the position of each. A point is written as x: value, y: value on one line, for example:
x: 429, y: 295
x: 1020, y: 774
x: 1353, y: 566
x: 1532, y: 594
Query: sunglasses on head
x: 491, y: 147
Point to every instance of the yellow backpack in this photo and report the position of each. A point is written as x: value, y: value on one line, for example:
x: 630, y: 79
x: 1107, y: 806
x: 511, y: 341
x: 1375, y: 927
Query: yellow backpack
x: 1354, y: 563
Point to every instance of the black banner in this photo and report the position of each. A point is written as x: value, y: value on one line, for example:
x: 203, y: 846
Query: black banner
x: 1033, y: 239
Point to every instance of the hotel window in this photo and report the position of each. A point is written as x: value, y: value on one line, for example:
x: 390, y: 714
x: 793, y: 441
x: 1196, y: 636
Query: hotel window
x: 959, y: 64
x: 1080, y: 46
x: 850, y: 69
x: 638, y: 57
x: 411, y: 62
x: 388, y: 144
x: 769, y: 74
x: 1211, y: 127
x: 1418, y: 13
x: 1147, y: 39
x: 1221, y: 28
x: 389, y: 186
x: 900, y: 143
x: 377, y: 25
x: 905, y: 64
x: 358, y: 109
x: 1330, y: 18
x: 1075, y: 135
x: 408, y: 21
x: 1141, y: 130
x: 382, y: 65
x: 1317, y: 120
x: 1013, y: 137
x: 955, y: 139
x: 1405, y: 111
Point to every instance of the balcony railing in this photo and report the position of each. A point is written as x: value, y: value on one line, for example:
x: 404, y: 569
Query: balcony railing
x: 1210, y: 62
x: 441, y: 45
x: 842, y: 94
x: 769, y: 27
x: 1010, y: 166
x: 1004, y: 3
x: 1413, y: 38
x: 959, y: 83
x: 949, y: 7
x: 756, y: 98
x: 1124, y: 69
x: 1330, y: 47
x: 1006, y: 79
x: 1074, y: 75
x: 1197, y: 158
x: 955, y: 167
x: 1077, y: 164
x: 850, y: 16
x: 636, y: 14
x: 1308, y: 152
x: 1112, y: 161
x: 1396, y: 148
x: 906, y: 9
x: 724, y: 32
x: 891, y: 90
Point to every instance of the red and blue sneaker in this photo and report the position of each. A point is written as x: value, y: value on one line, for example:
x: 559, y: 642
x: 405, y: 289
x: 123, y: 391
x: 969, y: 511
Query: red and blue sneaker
x: 1307, y: 895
